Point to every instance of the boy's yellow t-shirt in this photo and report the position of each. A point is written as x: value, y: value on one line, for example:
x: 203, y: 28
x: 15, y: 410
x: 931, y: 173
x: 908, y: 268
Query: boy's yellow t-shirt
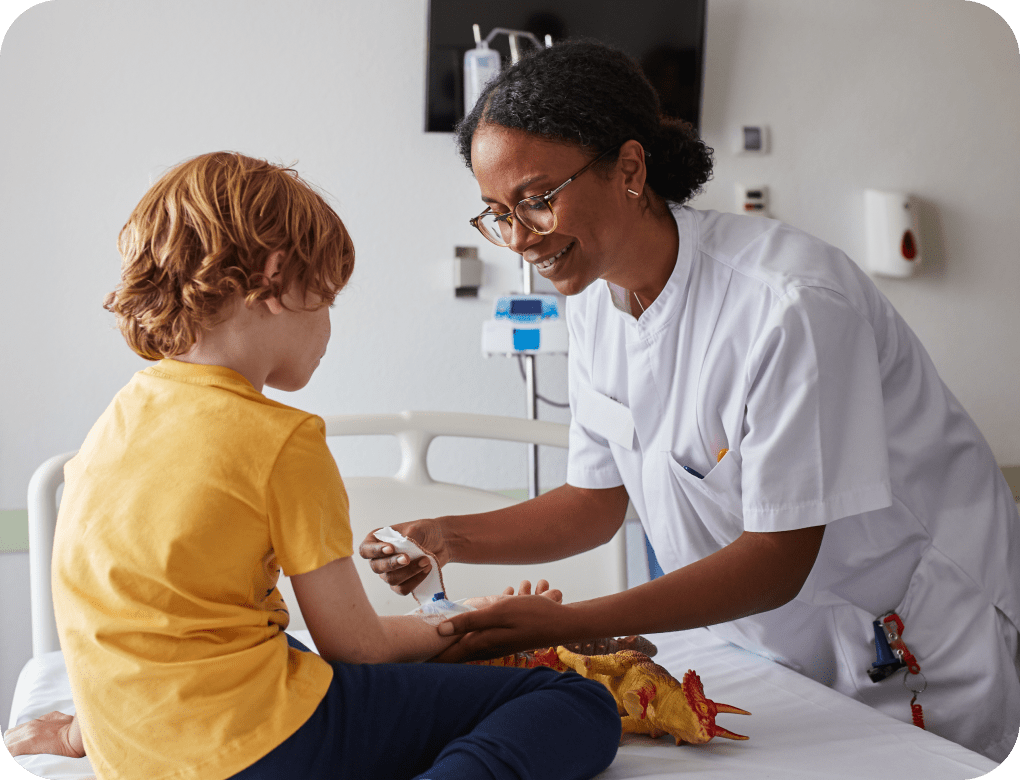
x: 189, y: 495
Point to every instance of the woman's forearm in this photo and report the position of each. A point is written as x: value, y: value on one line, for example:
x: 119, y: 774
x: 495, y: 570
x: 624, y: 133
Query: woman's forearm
x: 757, y: 573
x: 563, y: 522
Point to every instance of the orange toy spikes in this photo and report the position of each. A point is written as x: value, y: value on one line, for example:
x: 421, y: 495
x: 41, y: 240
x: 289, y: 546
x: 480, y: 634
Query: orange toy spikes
x: 706, y: 709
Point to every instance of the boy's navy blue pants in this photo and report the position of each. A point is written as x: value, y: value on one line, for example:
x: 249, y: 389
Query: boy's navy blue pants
x: 441, y: 721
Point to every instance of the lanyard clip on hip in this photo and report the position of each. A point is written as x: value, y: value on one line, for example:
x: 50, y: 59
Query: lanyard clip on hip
x: 893, y: 655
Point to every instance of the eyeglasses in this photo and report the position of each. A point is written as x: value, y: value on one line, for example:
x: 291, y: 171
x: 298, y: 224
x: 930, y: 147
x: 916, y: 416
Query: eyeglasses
x: 535, y: 213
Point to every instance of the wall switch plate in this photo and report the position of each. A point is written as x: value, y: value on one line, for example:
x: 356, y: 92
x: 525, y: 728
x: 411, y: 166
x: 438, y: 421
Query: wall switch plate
x: 753, y: 199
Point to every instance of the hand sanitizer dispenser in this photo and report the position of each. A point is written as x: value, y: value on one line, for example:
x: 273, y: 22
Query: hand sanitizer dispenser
x: 891, y: 224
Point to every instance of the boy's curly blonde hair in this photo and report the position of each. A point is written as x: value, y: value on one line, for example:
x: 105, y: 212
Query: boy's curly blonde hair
x: 203, y: 233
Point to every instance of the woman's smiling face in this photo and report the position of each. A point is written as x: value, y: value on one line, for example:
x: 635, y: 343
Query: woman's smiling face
x: 511, y: 165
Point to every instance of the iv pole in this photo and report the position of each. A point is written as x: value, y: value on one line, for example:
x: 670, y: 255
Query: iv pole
x: 530, y: 388
x: 531, y: 396
x: 531, y: 391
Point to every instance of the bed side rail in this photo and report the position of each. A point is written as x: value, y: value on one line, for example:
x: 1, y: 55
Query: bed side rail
x: 42, y: 524
x: 415, y: 431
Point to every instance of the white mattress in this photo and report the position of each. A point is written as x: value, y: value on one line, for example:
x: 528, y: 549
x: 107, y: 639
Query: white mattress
x: 798, y: 728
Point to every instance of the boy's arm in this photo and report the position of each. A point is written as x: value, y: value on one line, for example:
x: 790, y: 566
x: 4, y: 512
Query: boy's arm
x: 345, y: 627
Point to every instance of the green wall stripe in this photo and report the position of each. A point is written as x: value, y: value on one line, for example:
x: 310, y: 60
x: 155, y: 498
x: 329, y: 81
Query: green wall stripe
x: 13, y: 530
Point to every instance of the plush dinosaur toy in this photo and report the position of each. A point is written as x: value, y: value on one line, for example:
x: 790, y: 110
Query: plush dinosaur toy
x: 648, y: 697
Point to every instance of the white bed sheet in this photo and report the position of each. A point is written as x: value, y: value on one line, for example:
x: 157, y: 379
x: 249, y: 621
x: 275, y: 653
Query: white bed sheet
x: 798, y: 728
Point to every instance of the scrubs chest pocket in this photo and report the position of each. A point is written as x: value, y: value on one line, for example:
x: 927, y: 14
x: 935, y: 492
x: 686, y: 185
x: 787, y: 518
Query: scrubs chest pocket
x: 717, y: 498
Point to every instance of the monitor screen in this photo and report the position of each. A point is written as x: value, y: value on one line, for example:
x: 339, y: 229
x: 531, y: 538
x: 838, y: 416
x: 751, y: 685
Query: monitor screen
x: 525, y: 306
x: 665, y: 36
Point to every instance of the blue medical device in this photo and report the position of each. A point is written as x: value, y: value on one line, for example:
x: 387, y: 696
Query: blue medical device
x: 525, y: 323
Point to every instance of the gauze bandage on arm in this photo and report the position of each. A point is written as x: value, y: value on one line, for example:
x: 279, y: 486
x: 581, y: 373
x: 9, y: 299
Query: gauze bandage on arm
x: 431, y: 592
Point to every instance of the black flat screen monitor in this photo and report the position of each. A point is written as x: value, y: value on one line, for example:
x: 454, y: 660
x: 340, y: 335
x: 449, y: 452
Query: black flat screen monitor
x: 665, y: 36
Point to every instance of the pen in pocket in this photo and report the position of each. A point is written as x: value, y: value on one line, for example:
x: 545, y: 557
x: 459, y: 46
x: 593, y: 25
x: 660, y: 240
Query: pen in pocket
x: 689, y: 470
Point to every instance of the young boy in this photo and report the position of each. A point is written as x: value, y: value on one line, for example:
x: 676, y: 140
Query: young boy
x: 193, y: 491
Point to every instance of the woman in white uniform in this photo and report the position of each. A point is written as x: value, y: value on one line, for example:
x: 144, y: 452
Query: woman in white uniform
x: 797, y: 464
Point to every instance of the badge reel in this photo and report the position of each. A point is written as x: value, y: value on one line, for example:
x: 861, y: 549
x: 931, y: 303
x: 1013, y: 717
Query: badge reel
x: 893, y: 655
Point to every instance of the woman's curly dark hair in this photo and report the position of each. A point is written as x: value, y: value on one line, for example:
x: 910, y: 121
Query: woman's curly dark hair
x: 592, y: 95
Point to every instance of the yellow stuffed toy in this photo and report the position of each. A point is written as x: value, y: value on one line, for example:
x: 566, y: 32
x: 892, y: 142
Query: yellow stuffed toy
x: 649, y: 698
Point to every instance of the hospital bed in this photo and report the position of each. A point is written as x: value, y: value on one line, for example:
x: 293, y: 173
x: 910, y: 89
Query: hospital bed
x: 798, y: 729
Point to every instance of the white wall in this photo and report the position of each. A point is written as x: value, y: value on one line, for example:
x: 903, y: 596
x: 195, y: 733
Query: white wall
x: 918, y: 95
x: 102, y: 97
x: 97, y: 98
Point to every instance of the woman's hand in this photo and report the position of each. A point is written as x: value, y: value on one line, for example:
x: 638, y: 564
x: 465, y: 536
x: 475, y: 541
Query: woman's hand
x: 508, y: 626
x: 56, y: 734
x: 401, y: 574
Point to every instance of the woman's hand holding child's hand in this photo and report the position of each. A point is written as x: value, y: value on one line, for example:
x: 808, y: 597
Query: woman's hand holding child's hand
x: 506, y: 626
x: 56, y: 734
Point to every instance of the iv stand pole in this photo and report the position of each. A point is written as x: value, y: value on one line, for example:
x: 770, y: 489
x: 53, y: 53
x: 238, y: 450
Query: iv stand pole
x: 531, y: 393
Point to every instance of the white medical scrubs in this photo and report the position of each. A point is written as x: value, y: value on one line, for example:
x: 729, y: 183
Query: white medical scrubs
x: 776, y: 347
